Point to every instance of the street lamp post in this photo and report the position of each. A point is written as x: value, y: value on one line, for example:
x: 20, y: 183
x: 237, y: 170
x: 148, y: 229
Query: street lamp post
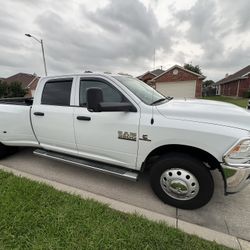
x: 41, y: 42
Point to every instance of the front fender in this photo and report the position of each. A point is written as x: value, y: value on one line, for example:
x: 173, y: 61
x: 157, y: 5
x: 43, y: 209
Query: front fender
x: 211, y: 138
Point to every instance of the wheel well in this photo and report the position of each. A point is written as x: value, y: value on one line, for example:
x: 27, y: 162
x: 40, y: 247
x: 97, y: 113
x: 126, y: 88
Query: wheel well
x: 200, y: 154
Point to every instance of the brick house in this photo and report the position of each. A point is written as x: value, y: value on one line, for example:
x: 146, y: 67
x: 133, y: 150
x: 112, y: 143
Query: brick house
x: 28, y: 81
x: 236, y: 84
x: 178, y: 82
x: 149, y: 75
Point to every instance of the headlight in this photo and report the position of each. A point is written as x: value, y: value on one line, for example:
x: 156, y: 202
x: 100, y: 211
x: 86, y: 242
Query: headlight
x: 239, y: 154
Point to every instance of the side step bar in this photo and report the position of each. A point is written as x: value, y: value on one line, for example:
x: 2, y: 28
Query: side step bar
x: 97, y: 166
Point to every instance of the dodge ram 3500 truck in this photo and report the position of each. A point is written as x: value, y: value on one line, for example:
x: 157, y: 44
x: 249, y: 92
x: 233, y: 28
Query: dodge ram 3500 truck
x: 119, y: 125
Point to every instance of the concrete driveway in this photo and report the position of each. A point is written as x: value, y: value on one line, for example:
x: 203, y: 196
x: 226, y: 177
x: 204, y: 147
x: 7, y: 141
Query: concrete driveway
x: 227, y: 214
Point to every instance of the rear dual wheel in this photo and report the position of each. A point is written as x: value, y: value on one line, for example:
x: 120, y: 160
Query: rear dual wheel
x: 5, y: 150
x: 182, y: 181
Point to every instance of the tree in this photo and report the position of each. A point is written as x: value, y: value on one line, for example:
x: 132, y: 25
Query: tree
x: 15, y: 89
x: 195, y: 68
x: 208, y: 83
x: 209, y: 88
x: 3, y: 89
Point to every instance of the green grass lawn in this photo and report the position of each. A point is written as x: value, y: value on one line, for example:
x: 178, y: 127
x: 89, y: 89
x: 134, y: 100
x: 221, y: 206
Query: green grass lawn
x: 242, y: 102
x: 36, y: 216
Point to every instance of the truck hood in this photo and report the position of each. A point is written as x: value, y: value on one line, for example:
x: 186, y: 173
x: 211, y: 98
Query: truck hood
x: 213, y: 112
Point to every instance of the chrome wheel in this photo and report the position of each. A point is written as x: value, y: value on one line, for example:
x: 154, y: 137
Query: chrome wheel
x: 180, y: 184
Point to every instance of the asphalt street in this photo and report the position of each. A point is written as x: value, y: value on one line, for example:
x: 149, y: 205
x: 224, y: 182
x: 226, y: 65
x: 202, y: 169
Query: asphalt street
x: 227, y: 214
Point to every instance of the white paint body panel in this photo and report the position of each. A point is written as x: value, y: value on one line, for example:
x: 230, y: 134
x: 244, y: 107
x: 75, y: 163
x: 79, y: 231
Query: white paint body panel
x: 211, y: 126
x: 177, y: 89
x: 15, y: 125
x: 98, y: 139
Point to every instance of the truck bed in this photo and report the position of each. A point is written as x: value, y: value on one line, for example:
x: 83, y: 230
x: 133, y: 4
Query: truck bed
x: 17, y: 101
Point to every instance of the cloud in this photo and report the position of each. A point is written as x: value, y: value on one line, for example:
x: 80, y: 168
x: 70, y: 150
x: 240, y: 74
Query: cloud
x: 211, y: 26
x: 118, y: 35
x: 123, y: 37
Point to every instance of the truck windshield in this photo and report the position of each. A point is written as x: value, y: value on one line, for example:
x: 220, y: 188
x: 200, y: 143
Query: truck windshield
x: 143, y: 91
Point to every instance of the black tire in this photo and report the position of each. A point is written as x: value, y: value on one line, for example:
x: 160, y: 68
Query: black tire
x: 186, y: 163
x: 6, y: 151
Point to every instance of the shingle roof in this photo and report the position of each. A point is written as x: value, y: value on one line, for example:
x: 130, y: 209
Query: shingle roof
x: 178, y: 66
x: 25, y: 79
x: 241, y: 74
x: 157, y: 72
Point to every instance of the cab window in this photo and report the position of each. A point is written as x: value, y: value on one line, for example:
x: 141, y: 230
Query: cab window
x: 110, y: 94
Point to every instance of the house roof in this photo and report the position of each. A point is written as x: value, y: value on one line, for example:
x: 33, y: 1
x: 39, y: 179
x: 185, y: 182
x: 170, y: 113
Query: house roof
x: 26, y: 79
x: 241, y: 74
x: 179, y: 67
x: 155, y: 72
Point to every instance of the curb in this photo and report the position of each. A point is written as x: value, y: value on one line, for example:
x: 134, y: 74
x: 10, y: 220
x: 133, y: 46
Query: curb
x: 189, y: 228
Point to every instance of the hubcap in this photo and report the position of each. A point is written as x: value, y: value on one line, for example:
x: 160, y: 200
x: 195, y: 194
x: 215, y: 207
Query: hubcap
x: 179, y: 184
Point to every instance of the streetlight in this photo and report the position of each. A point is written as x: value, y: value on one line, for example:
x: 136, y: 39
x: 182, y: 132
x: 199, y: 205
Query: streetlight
x: 41, y: 42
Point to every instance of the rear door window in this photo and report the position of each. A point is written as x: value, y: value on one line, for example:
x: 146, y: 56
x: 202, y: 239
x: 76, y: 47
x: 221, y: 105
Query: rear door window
x: 57, y: 92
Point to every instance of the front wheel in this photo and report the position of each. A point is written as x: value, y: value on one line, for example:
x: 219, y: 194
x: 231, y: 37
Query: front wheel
x: 182, y: 181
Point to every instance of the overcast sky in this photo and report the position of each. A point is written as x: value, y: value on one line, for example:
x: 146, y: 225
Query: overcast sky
x: 120, y: 35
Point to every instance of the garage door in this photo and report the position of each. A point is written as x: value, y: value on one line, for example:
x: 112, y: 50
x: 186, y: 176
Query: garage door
x: 177, y: 89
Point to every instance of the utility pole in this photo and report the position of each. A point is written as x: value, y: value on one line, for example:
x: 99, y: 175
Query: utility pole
x: 44, y: 62
x: 154, y: 58
x: 43, y: 54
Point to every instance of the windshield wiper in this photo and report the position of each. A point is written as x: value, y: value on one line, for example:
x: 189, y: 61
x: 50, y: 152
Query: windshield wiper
x: 170, y: 98
x: 159, y: 100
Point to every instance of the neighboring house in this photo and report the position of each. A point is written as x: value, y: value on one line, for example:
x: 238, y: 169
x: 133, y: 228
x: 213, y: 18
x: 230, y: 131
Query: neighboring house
x: 235, y: 85
x: 28, y: 81
x: 149, y: 75
x: 178, y: 82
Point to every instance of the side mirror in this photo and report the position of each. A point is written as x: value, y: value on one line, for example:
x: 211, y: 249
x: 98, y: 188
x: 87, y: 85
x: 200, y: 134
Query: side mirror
x: 94, y: 98
x: 117, y: 106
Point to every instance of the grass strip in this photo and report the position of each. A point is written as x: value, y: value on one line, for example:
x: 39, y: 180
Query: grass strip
x: 242, y: 102
x: 36, y: 216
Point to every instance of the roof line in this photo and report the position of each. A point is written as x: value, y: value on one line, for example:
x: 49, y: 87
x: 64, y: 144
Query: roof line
x: 147, y: 73
x: 178, y: 66
x: 234, y: 77
x: 231, y: 80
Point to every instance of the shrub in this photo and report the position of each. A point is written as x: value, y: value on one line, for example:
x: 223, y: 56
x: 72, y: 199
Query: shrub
x: 246, y: 94
x: 3, y: 89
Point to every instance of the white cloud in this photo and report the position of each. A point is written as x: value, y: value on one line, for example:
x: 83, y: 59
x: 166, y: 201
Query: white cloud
x: 117, y: 35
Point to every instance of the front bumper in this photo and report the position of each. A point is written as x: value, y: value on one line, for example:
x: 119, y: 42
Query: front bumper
x: 236, y: 178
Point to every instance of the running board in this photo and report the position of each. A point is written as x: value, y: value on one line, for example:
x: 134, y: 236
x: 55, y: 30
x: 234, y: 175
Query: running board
x: 97, y: 166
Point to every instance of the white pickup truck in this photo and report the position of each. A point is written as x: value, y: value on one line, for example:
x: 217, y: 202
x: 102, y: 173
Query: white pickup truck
x: 121, y: 126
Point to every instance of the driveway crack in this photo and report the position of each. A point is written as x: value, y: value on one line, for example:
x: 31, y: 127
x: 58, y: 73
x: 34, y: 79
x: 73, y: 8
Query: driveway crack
x: 239, y: 243
x: 227, y: 227
x: 177, y: 217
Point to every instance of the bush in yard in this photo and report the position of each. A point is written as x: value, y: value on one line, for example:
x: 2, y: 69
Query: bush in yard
x: 15, y: 89
x: 246, y: 94
x: 3, y: 89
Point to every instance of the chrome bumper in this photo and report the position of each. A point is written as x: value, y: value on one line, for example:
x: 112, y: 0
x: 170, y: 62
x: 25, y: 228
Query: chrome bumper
x: 236, y: 178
